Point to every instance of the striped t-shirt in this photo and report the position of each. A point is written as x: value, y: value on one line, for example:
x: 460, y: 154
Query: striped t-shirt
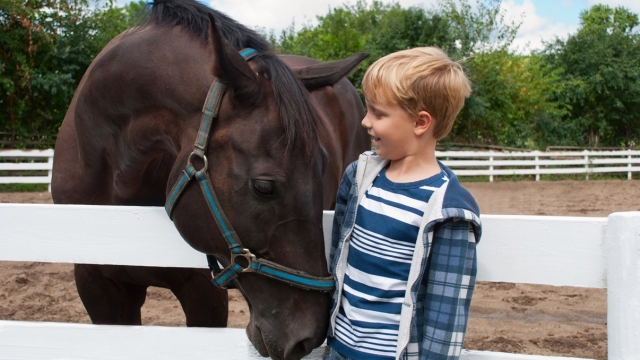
x: 380, y: 253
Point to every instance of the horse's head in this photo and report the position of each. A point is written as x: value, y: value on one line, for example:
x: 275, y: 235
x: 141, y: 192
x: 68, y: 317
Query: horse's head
x: 265, y: 165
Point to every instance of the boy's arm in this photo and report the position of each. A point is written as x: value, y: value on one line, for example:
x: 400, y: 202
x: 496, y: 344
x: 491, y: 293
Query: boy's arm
x: 342, y: 199
x: 450, y: 280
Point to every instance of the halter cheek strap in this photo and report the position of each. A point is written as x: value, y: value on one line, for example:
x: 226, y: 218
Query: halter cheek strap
x: 242, y: 260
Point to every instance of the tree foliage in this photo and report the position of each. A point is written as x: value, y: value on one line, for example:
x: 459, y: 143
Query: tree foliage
x: 511, y: 97
x: 377, y: 28
x: 509, y: 91
x: 582, y: 91
x: 600, y: 67
x: 45, y: 48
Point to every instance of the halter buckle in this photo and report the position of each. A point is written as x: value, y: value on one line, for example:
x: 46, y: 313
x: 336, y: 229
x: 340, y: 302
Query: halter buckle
x: 247, y: 256
x: 201, y: 156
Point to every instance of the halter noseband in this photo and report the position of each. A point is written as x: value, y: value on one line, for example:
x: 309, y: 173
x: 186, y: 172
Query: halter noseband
x: 249, y: 263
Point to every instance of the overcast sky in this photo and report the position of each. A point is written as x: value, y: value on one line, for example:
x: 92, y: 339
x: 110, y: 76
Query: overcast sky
x: 541, y: 19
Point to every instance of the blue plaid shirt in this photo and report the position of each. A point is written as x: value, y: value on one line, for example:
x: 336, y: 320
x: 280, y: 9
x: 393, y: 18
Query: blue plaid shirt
x: 443, y: 272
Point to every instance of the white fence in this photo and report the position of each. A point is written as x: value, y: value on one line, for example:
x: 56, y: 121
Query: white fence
x: 473, y: 163
x: 463, y: 163
x: 29, y: 160
x: 571, y: 251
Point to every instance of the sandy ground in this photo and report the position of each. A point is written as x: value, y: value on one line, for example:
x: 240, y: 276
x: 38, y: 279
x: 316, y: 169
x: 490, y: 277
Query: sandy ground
x: 518, y: 318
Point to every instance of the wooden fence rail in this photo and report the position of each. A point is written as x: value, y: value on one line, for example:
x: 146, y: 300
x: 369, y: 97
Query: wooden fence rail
x: 572, y: 251
x: 463, y: 163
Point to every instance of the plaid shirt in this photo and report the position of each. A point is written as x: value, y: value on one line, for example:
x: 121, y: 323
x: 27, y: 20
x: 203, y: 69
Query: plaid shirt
x: 443, y: 272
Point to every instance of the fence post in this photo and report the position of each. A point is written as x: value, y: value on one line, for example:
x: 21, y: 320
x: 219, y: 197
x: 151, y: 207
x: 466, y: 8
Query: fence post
x: 629, y: 174
x: 623, y: 285
x: 537, y: 165
x: 50, y: 162
x: 490, y: 168
x: 586, y: 164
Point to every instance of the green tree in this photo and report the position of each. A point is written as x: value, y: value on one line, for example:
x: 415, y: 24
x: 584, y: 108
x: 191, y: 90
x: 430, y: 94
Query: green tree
x: 600, y: 68
x: 478, y: 29
x: 45, y: 48
x: 511, y: 97
x: 377, y: 28
x: 509, y: 91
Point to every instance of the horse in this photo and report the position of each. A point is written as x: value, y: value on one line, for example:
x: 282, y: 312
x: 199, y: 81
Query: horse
x: 271, y: 142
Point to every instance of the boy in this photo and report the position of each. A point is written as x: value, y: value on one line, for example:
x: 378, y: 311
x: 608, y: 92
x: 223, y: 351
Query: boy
x: 404, y: 234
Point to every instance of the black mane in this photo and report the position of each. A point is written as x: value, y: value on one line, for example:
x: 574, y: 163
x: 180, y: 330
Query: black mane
x: 194, y: 17
x: 298, y: 116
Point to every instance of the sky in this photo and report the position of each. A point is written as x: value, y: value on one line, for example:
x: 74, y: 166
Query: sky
x: 542, y: 20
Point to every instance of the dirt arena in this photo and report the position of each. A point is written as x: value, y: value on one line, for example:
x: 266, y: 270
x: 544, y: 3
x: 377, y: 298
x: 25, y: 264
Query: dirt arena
x: 518, y: 318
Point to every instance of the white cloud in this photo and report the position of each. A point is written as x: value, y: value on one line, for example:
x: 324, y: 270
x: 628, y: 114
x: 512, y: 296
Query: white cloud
x: 273, y: 14
x: 279, y: 14
x: 533, y: 29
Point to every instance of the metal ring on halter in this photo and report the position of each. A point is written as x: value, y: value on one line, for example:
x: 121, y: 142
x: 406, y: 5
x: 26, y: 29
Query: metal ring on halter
x: 247, y: 255
x: 203, y: 157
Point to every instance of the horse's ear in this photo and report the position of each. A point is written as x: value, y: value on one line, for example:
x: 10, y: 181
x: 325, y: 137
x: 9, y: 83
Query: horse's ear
x: 328, y: 73
x: 231, y: 68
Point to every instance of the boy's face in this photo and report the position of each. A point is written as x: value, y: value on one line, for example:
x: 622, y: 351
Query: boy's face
x: 391, y: 128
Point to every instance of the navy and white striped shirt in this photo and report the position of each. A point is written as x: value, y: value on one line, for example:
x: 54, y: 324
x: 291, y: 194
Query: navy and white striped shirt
x: 380, y: 253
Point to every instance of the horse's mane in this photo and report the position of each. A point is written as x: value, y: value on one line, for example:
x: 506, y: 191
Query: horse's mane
x: 298, y: 116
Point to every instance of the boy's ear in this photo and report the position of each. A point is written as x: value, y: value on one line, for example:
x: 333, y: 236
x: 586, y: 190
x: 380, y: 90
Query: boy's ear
x: 423, y: 123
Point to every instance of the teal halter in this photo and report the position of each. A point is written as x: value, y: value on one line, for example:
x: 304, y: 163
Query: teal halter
x: 248, y: 261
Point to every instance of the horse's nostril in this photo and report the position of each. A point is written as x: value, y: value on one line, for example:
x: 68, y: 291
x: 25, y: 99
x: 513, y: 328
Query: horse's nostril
x: 300, y: 349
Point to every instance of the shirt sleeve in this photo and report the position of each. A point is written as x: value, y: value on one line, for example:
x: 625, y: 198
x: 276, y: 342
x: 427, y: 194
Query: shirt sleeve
x: 449, y: 280
x: 342, y: 199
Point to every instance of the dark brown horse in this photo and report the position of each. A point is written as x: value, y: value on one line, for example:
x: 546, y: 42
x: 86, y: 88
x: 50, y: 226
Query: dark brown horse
x: 129, y: 132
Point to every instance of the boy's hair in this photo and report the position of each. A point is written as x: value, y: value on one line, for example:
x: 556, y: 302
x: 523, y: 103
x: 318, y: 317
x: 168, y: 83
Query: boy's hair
x: 420, y: 79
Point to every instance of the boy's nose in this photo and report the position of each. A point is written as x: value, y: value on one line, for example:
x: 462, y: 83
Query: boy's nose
x: 366, y: 123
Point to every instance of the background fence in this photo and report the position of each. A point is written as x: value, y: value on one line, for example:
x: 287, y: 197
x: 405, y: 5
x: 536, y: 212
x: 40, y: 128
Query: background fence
x: 34, y: 166
x: 26, y: 166
x: 568, y: 251
x: 488, y: 163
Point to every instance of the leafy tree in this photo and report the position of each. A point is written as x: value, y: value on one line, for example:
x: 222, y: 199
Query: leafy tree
x: 600, y: 68
x: 377, y: 28
x: 508, y: 91
x: 511, y: 97
x: 476, y: 29
x: 45, y: 48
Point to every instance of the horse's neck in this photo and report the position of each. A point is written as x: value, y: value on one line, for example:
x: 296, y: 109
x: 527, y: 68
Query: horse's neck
x: 139, y: 157
x: 133, y: 108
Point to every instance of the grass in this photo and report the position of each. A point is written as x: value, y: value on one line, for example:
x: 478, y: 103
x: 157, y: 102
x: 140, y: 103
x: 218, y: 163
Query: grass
x: 23, y: 187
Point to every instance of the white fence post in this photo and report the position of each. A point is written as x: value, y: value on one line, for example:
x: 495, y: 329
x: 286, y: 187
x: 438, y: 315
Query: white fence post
x: 623, y: 285
x: 490, y: 168
x: 586, y: 164
x: 50, y: 173
x: 537, y: 165
x: 629, y: 174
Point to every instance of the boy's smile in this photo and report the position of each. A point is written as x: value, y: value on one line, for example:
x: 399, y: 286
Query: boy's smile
x: 391, y: 129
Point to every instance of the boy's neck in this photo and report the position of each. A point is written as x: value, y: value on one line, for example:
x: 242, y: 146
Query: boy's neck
x: 415, y: 167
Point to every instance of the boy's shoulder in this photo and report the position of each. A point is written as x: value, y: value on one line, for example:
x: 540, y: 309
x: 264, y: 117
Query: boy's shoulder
x: 456, y: 196
x: 367, y: 157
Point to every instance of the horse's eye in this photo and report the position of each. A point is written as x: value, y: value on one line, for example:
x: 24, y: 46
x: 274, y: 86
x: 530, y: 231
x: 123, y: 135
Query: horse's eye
x: 263, y: 187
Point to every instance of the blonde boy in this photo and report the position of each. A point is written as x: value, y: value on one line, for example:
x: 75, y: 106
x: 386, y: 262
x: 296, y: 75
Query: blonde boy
x: 405, y: 231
